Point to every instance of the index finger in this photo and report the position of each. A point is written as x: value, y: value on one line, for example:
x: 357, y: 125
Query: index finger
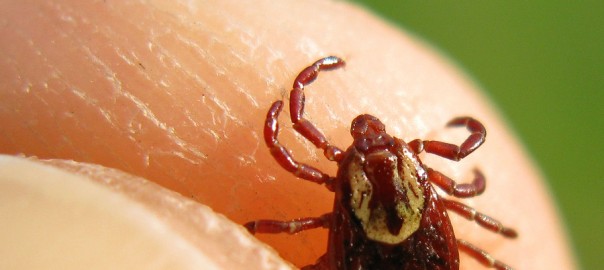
x: 176, y: 92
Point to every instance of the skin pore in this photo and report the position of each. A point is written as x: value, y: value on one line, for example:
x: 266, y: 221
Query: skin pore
x: 176, y: 92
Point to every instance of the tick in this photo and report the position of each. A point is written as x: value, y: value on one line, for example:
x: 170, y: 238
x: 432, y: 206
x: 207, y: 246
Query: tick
x: 386, y: 212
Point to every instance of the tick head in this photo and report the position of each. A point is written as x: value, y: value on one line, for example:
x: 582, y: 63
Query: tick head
x: 366, y: 125
x: 369, y: 134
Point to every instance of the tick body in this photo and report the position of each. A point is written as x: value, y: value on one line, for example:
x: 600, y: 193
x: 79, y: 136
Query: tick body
x: 386, y: 213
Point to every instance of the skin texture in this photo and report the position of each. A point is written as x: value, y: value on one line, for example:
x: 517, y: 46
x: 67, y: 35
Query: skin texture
x: 176, y: 92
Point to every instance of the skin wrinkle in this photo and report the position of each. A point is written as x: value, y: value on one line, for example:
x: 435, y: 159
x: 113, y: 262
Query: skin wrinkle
x: 225, y: 114
x: 38, y: 135
x: 199, y: 51
x: 249, y: 97
x: 106, y: 113
x: 169, y: 130
x: 247, y: 36
x: 150, y: 115
x: 132, y: 62
x: 251, y: 156
x: 139, y: 104
x: 273, y: 59
x: 223, y: 108
x: 110, y: 75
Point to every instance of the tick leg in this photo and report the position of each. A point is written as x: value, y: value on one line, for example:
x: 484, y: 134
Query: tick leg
x: 481, y: 219
x: 451, y: 151
x: 282, y: 155
x: 482, y: 256
x: 464, y: 190
x: 321, y: 264
x: 291, y: 226
x: 296, y: 106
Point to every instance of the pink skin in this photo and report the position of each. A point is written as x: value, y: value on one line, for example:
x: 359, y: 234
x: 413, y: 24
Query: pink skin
x: 176, y: 93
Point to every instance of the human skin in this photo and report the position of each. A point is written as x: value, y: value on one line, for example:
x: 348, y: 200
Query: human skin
x: 177, y: 91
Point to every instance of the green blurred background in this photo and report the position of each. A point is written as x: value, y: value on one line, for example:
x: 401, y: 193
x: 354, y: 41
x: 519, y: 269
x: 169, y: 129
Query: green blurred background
x: 542, y: 63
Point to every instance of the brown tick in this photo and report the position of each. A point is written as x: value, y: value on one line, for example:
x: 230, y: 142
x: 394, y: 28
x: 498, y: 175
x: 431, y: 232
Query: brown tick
x: 386, y: 213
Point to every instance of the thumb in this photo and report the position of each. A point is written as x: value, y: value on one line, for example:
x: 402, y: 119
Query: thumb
x: 106, y: 219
